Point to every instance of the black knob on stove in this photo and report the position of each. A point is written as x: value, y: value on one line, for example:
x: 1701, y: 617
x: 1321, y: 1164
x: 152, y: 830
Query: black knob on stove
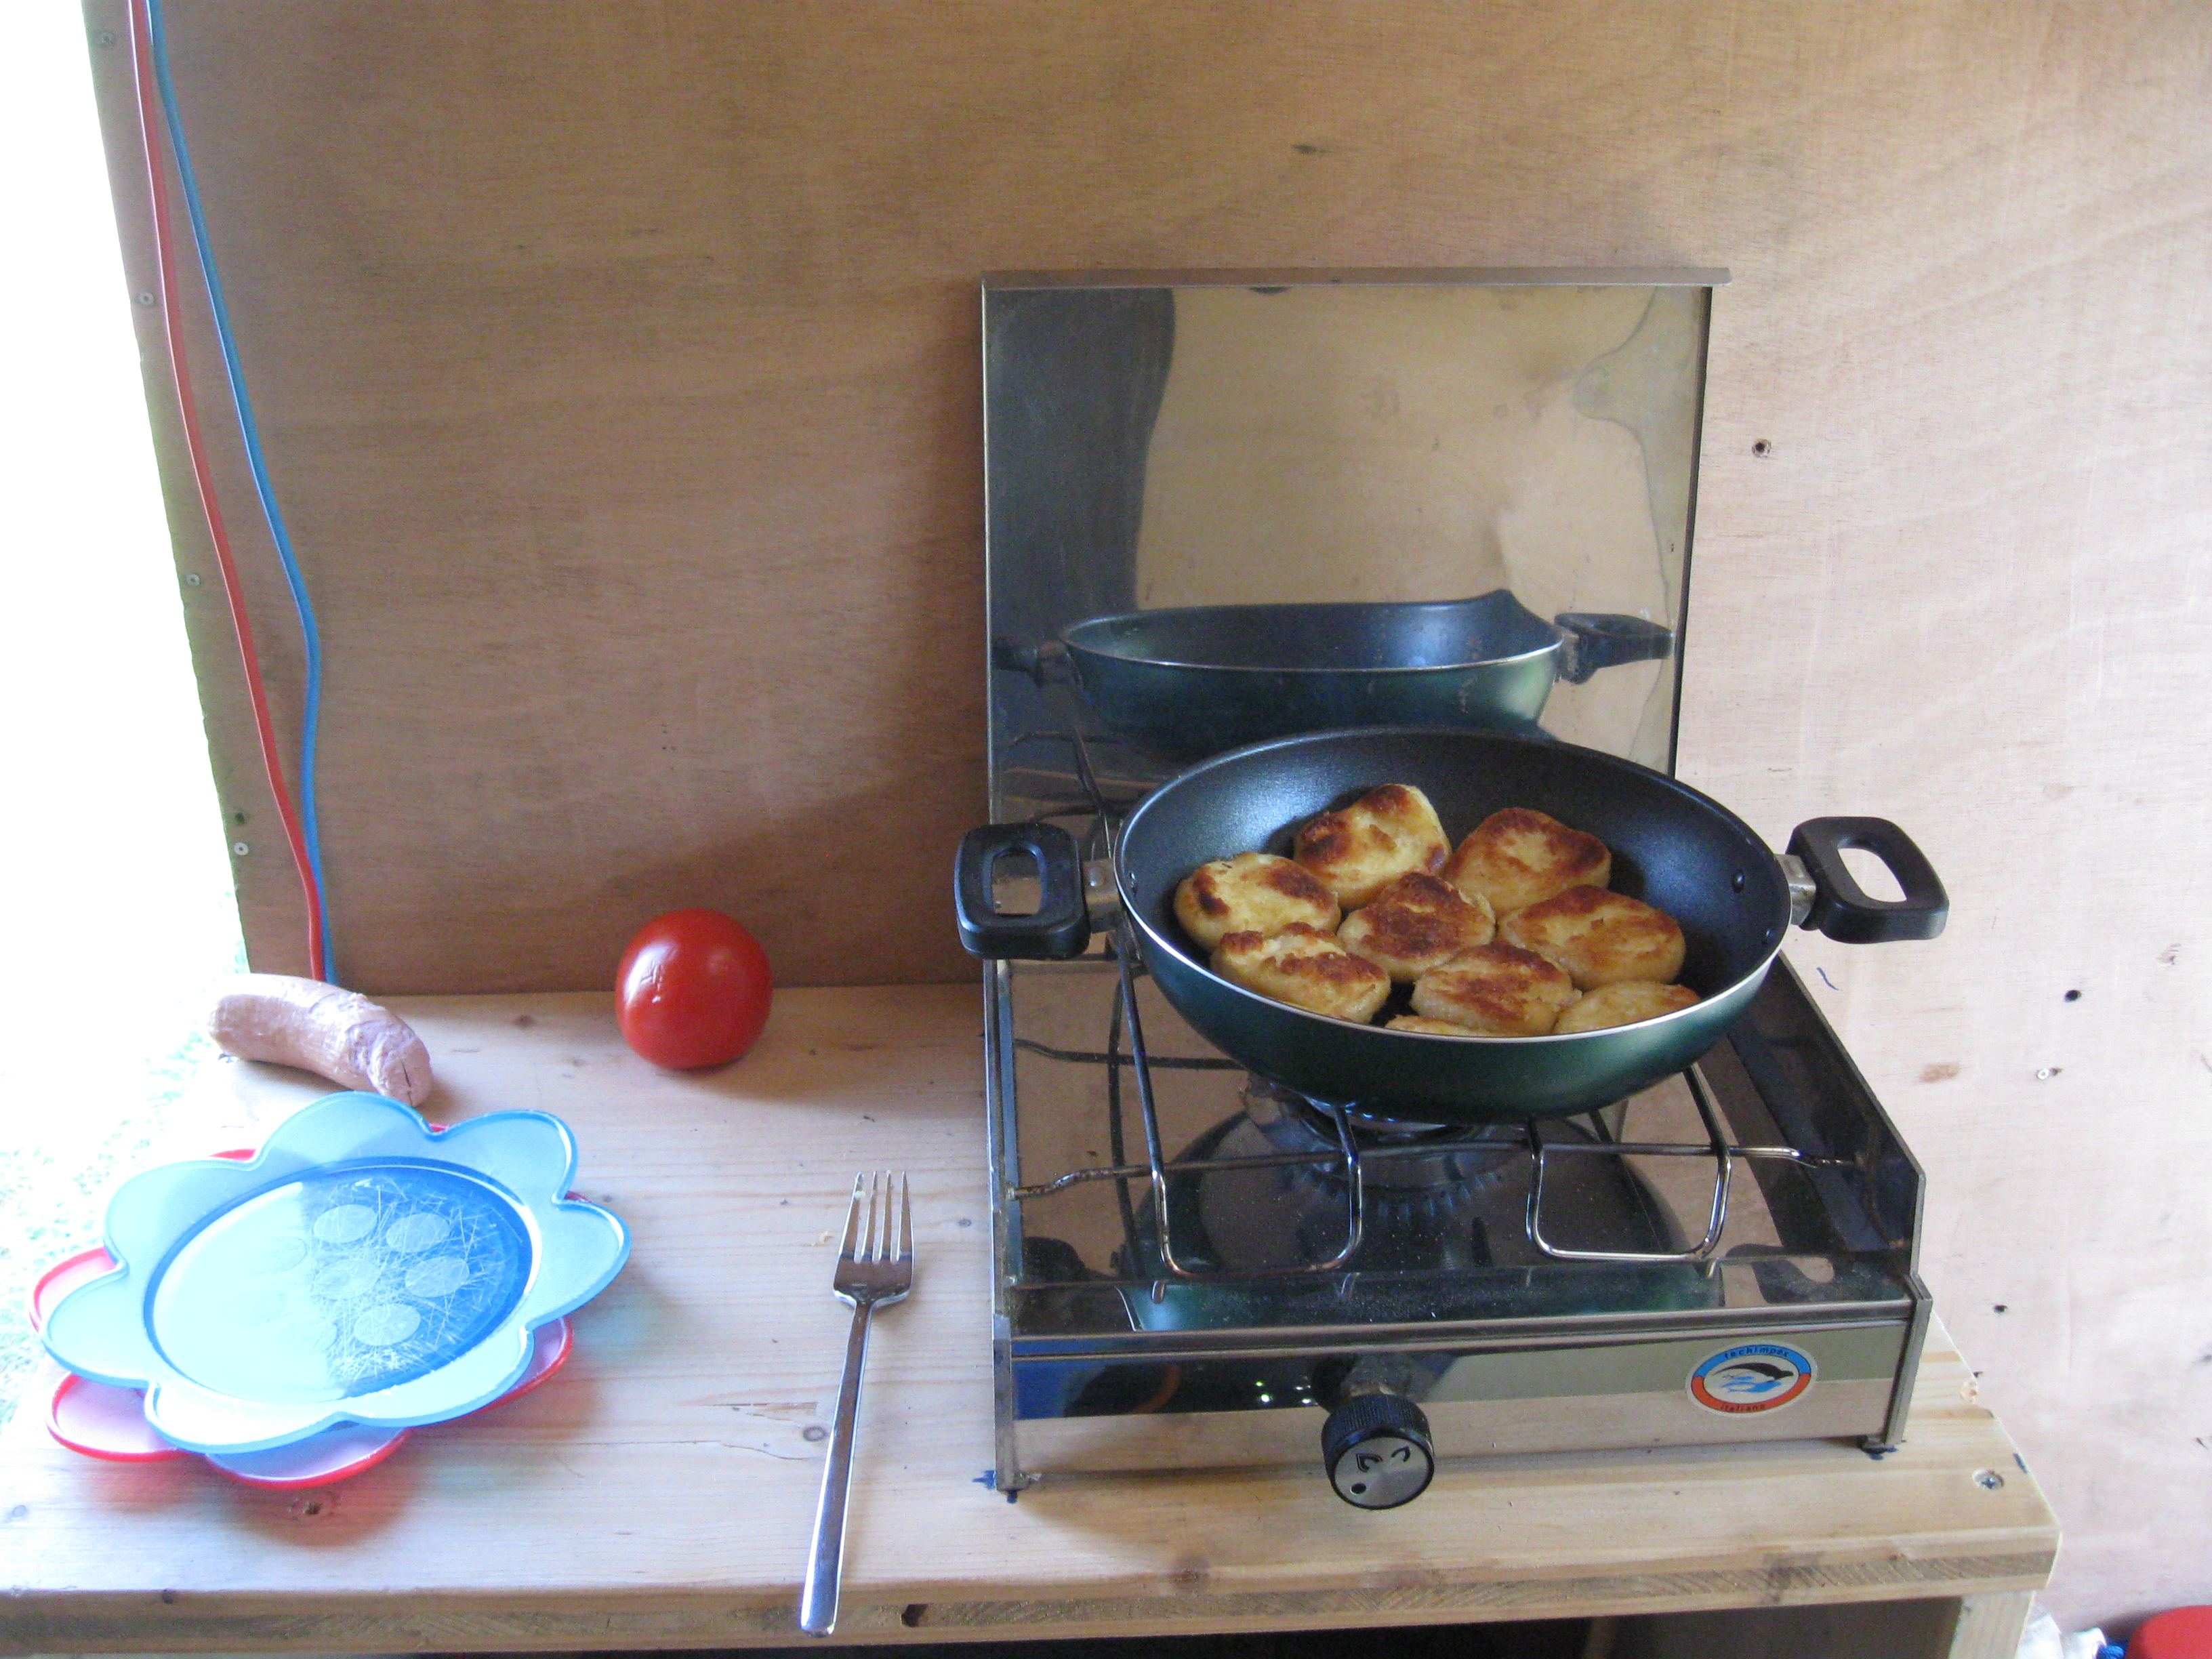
x: 1376, y: 1451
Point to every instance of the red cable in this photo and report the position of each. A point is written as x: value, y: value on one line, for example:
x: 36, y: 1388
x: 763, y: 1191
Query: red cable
x: 202, y: 477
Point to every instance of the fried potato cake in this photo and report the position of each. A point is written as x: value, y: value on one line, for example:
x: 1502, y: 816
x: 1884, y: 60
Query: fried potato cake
x: 1306, y: 968
x: 1251, y: 893
x: 1495, y: 990
x: 1599, y: 936
x: 1624, y: 1003
x: 1432, y: 1027
x: 1418, y: 922
x: 1521, y: 857
x: 1359, y: 850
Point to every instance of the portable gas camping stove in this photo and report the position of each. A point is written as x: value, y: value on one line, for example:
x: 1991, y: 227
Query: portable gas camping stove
x: 1196, y: 1267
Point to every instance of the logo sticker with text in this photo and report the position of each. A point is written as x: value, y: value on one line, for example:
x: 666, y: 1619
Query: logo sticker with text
x: 1758, y: 1376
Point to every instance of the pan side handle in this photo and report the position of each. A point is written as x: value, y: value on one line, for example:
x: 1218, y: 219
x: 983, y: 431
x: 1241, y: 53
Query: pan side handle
x: 1592, y: 641
x: 1059, y: 926
x: 1842, y: 909
x: 1045, y: 664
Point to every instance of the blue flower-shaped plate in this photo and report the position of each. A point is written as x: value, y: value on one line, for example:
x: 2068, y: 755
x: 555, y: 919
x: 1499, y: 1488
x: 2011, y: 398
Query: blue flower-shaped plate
x: 361, y: 1268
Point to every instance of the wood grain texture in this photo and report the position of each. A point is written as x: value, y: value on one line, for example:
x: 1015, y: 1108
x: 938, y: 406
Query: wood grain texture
x: 1990, y: 1626
x: 658, y: 1492
x: 619, y: 370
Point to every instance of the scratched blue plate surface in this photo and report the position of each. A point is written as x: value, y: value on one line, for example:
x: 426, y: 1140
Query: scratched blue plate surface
x: 361, y: 1268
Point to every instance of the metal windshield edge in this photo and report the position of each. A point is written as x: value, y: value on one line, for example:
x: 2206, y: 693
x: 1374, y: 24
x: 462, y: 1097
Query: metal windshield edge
x: 1378, y: 277
x: 1680, y: 653
x: 1003, y: 1155
x: 1476, y: 1335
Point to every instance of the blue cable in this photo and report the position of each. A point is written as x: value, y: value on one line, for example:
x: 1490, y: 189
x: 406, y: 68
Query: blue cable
x: 311, y: 711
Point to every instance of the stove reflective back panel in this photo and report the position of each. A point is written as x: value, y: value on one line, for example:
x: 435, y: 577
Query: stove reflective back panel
x: 1300, y: 438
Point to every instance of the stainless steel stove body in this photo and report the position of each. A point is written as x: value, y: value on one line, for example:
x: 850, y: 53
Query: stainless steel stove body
x: 1196, y: 1269
x: 1571, y: 1289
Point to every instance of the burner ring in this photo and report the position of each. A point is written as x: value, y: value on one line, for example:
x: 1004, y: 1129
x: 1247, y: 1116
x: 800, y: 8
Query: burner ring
x: 1265, y: 1100
x: 1452, y: 1164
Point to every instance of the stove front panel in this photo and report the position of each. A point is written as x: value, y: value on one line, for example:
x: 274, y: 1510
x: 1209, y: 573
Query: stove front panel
x: 1099, y: 1416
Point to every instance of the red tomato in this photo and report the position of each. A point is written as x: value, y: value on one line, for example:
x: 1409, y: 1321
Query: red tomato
x: 693, y: 990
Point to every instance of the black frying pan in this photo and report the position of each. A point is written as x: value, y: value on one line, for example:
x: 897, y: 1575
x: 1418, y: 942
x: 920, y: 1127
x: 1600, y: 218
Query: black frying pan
x: 1198, y: 680
x: 1672, y: 846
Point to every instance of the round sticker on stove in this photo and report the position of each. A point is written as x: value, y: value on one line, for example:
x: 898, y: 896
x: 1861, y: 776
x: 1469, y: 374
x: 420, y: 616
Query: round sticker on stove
x: 1758, y: 1376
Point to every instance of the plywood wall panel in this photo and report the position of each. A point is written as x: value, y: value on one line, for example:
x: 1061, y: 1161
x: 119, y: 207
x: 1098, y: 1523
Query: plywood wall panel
x: 618, y: 368
x: 1968, y: 586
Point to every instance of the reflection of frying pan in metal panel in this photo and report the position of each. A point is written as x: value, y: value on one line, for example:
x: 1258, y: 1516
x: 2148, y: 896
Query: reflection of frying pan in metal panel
x: 1200, y: 679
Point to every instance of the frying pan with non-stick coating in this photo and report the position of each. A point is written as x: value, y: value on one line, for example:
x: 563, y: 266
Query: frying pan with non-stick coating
x: 1672, y: 846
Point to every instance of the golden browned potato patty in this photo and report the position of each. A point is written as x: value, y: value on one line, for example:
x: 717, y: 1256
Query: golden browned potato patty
x: 1599, y: 938
x: 1251, y: 893
x: 1520, y: 857
x: 1624, y: 1003
x: 1307, y: 969
x: 1495, y: 990
x: 1432, y: 1027
x: 1418, y: 922
x: 1362, y: 849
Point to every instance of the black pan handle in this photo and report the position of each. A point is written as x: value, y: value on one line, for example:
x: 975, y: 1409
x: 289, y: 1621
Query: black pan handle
x: 1058, y: 928
x: 1593, y: 641
x: 1045, y: 664
x: 1842, y: 909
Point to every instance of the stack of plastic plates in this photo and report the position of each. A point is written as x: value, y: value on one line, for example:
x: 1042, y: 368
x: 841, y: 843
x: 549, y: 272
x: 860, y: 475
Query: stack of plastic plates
x: 290, y: 1314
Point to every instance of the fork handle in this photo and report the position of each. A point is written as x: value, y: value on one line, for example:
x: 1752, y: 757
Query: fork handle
x: 818, y: 1602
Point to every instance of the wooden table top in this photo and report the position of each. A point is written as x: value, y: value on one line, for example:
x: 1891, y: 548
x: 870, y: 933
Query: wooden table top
x: 659, y: 1491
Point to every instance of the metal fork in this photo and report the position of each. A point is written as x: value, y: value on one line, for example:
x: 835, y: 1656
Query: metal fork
x: 872, y: 1271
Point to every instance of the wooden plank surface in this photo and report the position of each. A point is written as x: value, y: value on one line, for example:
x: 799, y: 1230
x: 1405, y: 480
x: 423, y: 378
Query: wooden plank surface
x: 1990, y: 1626
x: 659, y: 1492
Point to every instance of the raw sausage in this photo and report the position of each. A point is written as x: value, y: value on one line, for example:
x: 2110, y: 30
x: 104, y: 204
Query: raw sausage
x: 319, y: 1028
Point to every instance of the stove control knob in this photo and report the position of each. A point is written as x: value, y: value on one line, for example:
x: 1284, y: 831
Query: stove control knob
x: 1376, y: 1448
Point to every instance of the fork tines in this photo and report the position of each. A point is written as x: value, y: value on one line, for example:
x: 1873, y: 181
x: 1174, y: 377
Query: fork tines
x: 885, y: 1208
